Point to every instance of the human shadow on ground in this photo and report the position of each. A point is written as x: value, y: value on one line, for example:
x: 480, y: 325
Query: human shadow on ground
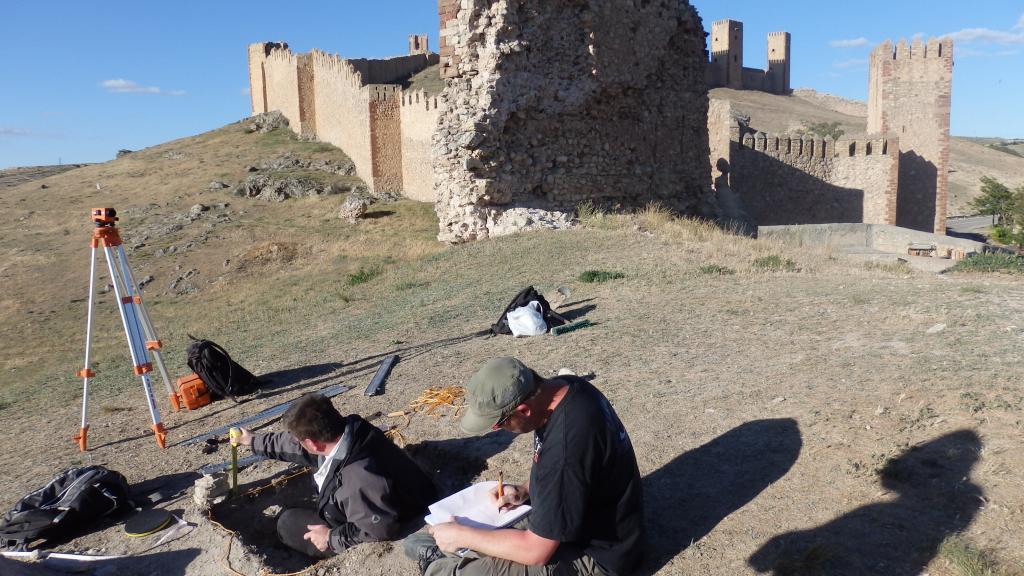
x: 935, y: 498
x: 686, y: 498
x: 453, y: 464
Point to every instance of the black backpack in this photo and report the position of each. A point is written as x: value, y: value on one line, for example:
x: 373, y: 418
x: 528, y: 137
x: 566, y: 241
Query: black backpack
x: 524, y: 297
x: 65, y: 507
x: 224, y: 378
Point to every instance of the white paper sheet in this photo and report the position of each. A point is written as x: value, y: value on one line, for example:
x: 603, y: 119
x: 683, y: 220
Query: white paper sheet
x: 472, y: 507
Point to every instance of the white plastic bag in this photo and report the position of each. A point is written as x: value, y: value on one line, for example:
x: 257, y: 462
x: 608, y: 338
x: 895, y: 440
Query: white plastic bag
x: 527, y: 320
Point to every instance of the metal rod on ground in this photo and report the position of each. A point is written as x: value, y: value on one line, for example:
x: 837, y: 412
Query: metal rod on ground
x: 269, y: 413
x: 377, y: 384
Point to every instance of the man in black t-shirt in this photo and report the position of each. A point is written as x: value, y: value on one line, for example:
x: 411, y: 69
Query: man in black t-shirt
x: 584, y: 485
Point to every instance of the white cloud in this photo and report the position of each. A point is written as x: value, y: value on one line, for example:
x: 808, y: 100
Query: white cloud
x: 850, y: 43
x: 987, y: 36
x: 972, y: 53
x: 14, y: 131
x: 850, y: 63
x: 122, y: 86
x: 1020, y: 23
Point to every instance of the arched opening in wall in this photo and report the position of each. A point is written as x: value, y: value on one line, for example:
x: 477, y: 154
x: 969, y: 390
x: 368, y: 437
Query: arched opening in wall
x: 789, y: 145
x: 852, y: 150
x: 885, y: 146
x: 867, y: 149
x: 735, y: 58
x: 776, y: 148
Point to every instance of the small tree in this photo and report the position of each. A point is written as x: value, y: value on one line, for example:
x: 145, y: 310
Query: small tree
x: 996, y: 200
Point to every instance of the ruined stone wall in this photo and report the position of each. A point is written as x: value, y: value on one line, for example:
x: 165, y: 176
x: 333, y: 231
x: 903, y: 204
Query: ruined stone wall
x: 790, y: 180
x: 281, y: 85
x: 343, y: 110
x: 552, y: 103
x: 754, y: 79
x: 386, y: 143
x: 909, y: 89
x: 722, y: 131
x: 419, y: 114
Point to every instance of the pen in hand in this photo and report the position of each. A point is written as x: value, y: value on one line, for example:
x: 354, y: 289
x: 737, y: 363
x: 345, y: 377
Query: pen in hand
x: 501, y: 489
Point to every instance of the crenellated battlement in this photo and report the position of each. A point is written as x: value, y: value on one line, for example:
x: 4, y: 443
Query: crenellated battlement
x: 934, y: 48
x: 805, y: 146
x: 419, y: 98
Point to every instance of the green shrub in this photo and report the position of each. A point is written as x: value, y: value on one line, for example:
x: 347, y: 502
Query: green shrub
x: 363, y: 276
x: 715, y: 269
x: 775, y: 263
x: 988, y: 263
x: 597, y: 276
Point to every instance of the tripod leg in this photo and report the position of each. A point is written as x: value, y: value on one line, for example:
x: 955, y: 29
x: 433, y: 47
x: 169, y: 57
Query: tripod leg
x: 136, y: 343
x: 85, y: 373
x: 153, y: 344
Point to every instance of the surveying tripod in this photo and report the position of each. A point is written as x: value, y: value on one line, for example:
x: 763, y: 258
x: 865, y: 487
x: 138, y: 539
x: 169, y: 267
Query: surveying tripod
x: 138, y: 328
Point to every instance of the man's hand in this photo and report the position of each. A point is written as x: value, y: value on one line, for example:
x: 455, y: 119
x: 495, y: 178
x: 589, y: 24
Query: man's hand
x: 318, y: 535
x: 245, y: 439
x: 515, y: 496
x: 448, y: 536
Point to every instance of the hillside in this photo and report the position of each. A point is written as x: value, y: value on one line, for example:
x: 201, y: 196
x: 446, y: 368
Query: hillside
x: 767, y: 389
x: 969, y: 158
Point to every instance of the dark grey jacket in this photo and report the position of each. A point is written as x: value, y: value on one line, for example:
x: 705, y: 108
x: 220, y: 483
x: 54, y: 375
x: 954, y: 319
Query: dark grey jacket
x: 372, y: 490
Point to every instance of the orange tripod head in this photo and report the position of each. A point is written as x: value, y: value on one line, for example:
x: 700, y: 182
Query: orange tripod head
x: 104, y: 217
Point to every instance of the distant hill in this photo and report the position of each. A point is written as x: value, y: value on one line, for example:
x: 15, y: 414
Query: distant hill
x: 970, y: 158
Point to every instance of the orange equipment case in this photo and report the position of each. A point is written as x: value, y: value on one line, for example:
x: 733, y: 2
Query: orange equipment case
x: 193, y: 391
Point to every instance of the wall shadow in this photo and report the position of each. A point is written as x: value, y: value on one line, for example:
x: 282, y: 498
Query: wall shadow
x: 935, y: 498
x: 686, y: 498
x: 915, y: 200
x: 774, y: 193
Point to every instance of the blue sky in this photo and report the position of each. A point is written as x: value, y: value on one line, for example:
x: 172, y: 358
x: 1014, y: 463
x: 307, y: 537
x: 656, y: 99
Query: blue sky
x: 84, y: 79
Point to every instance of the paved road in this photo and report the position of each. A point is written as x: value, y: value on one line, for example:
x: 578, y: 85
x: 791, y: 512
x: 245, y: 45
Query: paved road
x: 970, y: 227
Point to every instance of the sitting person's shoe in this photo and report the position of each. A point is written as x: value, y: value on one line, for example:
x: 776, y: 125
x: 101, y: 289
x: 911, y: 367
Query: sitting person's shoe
x: 422, y: 548
x: 428, y: 556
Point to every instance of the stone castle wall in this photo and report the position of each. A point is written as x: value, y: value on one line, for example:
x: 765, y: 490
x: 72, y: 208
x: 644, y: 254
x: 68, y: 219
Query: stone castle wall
x: 353, y: 104
x: 343, y: 110
x: 788, y: 179
x: 726, y: 67
x: 281, y: 85
x: 419, y: 114
x: 386, y: 143
x: 549, y: 104
x: 909, y: 92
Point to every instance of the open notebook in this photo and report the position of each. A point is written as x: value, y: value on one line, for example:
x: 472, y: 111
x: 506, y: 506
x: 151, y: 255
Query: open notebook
x: 472, y: 507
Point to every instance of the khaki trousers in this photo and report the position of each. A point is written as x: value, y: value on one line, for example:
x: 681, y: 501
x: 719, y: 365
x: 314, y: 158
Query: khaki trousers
x: 567, y: 561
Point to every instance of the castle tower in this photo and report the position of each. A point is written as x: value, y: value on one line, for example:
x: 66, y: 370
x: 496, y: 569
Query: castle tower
x: 777, y: 79
x: 727, y: 54
x: 419, y: 44
x: 909, y: 89
x: 448, y: 10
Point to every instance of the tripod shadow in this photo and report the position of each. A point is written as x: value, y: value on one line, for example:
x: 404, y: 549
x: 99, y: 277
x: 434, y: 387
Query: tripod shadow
x: 454, y: 463
x: 935, y: 498
x: 686, y: 498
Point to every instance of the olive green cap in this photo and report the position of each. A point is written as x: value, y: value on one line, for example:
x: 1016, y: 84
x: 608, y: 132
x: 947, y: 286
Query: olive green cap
x: 496, y: 388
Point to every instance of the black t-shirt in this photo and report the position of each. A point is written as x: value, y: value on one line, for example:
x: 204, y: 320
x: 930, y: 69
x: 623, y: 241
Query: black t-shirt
x: 585, y: 485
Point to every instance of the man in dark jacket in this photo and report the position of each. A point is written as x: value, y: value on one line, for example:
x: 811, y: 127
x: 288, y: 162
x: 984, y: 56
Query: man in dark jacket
x: 368, y: 489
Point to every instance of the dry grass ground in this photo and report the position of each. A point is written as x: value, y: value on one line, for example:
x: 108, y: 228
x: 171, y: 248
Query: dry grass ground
x: 793, y: 412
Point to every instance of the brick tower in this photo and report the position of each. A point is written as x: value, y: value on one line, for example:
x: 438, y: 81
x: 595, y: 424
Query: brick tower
x: 909, y: 88
x: 777, y: 79
x: 727, y: 54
